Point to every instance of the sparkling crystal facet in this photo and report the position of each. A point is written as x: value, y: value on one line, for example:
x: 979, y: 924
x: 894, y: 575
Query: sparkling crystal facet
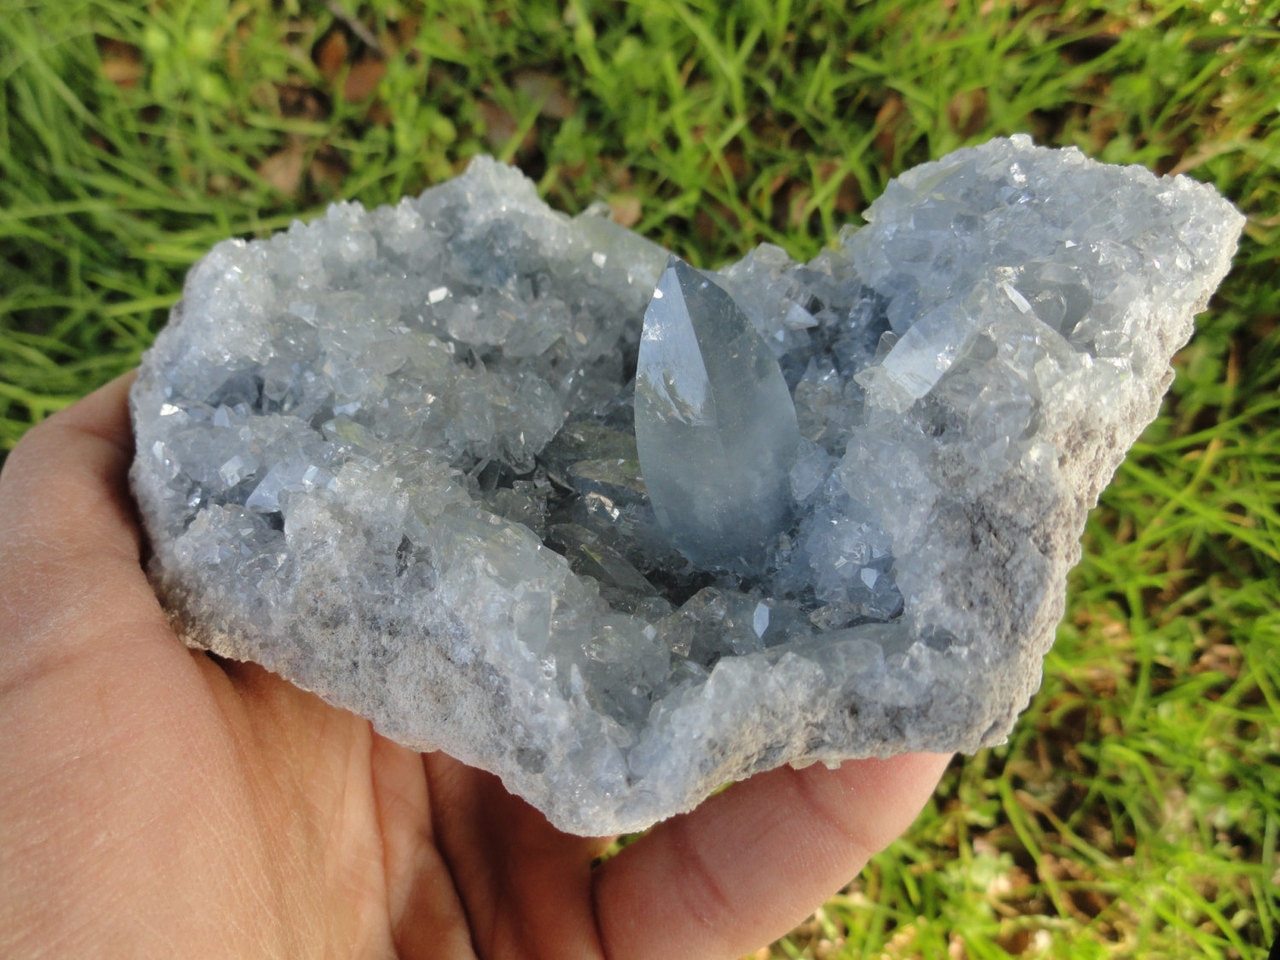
x: 715, y: 424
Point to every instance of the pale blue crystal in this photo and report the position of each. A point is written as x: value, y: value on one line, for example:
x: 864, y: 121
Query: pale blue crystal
x: 715, y: 424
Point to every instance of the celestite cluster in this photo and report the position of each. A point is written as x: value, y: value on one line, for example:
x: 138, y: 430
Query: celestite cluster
x: 421, y: 460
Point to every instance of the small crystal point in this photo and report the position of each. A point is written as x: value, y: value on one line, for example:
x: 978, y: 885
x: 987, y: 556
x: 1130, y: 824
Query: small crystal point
x: 715, y: 423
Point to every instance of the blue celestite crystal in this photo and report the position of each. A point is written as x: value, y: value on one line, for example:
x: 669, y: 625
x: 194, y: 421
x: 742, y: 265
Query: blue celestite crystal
x: 715, y: 424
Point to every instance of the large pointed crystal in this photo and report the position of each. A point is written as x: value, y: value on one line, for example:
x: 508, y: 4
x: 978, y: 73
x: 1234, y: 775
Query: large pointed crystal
x: 715, y: 423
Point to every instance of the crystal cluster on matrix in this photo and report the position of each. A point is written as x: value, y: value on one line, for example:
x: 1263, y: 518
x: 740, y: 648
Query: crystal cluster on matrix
x: 421, y: 461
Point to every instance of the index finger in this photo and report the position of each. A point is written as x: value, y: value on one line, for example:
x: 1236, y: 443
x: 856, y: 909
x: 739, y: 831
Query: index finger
x: 70, y: 546
x: 63, y: 487
x: 752, y: 862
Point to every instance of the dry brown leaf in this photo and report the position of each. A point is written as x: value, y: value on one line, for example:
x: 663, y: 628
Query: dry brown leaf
x: 798, y: 197
x: 886, y: 123
x: 625, y: 209
x: 546, y: 90
x: 848, y: 196
x: 363, y: 79
x: 297, y: 100
x: 1016, y: 941
x: 705, y: 227
x: 617, y: 174
x: 967, y: 112
x: 283, y: 169
x: 121, y: 63
x: 1223, y: 658
x: 331, y: 55
x: 736, y: 161
x: 780, y: 180
x: 499, y: 124
x: 407, y: 28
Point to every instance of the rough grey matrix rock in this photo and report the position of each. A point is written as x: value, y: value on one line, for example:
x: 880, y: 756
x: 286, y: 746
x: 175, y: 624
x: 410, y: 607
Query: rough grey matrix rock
x: 391, y: 456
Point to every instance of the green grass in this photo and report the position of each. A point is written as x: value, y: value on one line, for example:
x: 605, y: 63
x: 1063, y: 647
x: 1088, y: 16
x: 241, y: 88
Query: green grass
x: 1136, y: 810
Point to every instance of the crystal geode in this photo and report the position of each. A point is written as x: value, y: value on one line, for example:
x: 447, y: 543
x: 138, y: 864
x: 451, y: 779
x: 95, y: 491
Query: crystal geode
x: 392, y: 455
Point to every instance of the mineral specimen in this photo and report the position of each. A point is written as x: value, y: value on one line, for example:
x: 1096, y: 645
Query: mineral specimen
x: 419, y: 460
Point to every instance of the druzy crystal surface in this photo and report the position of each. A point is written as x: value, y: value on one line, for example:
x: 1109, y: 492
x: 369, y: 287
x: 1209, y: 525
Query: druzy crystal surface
x: 399, y: 456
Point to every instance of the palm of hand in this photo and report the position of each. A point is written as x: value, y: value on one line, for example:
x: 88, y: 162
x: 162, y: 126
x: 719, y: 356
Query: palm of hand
x: 158, y: 801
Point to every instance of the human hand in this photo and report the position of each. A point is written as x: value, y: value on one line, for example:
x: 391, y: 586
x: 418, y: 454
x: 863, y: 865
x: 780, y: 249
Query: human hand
x: 158, y: 801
